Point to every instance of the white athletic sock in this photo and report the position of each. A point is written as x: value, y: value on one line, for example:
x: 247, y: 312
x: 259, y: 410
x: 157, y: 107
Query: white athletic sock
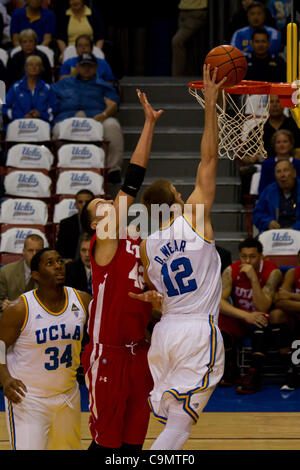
x: 176, y: 432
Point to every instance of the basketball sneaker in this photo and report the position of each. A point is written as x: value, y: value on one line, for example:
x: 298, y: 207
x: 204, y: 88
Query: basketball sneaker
x: 291, y: 380
x: 250, y: 383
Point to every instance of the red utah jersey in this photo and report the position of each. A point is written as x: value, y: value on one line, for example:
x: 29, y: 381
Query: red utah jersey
x: 241, y: 285
x: 297, y: 280
x: 115, y: 318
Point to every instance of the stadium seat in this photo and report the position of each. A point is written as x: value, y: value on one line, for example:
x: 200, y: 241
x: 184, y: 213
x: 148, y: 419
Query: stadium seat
x: 28, y: 130
x: 4, y: 56
x: 69, y: 182
x: 12, y: 236
x: 63, y: 209
x: 29, y: 156
x: 79, y: 129
x: 30, y: 184
x: 80, y: 156
x: 281, y: 246
x: 24, y: 211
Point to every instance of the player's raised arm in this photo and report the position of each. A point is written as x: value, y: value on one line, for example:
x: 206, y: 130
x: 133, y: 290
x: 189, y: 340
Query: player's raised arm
x: 139, y: 160
x: 204, y: 191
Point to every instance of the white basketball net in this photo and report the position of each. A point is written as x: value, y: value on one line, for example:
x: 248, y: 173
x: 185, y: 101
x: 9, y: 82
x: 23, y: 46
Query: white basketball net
x: 241, y: 120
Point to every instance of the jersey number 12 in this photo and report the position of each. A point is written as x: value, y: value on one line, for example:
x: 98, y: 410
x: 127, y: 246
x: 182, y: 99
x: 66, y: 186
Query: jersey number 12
x: 191, y: 284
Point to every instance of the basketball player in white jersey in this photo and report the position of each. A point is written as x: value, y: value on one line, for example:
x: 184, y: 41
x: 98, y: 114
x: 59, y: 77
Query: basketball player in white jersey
x: 40, y: 344
x: 186, y: 356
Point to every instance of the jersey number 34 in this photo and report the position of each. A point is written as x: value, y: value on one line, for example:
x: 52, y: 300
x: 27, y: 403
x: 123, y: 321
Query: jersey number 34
x: 183, y: 287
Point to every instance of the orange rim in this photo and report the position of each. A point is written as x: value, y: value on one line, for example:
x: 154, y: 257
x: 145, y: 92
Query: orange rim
x: 252, y: 87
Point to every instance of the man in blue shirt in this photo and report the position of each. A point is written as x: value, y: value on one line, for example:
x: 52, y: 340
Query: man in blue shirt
x: 86, y: 95
x: 33, y: 16
x: 278, y: 205
x: 84, y: 44
x: 256, y: 18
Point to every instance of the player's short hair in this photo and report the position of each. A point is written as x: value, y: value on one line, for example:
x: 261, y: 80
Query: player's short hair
x: 251, y: 242
x: 35, y: 262
x: 260, y: 31
x: 285, y: 132
x: 158, y: 192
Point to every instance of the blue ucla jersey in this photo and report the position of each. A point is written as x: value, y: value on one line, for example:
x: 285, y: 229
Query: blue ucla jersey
x: 186, y: 268
x: 46, y: 354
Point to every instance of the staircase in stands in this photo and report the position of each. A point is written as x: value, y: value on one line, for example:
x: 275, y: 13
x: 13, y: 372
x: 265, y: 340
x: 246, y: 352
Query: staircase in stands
x: 176, y: 150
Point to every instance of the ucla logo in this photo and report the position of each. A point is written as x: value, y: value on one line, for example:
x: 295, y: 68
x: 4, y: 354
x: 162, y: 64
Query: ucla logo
x: 27, y: 126
x: 25, y: 180
x: 279, y: 239
x: 31, y: 153
x: 21, y: 235
x: 23, y: 209
x: 72, y: 206
x: 78, y: 153
x: 80, y: 126
x: 78, y: 180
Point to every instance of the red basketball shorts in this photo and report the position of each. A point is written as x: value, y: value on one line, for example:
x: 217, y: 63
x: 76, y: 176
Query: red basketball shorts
x: 119, y: 382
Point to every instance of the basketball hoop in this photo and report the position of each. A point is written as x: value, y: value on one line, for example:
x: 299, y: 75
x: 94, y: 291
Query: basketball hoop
x: 242, y: 111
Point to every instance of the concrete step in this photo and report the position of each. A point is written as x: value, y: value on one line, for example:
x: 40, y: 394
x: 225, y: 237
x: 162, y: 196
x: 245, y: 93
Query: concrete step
x: 166, y: 138
x: 180, y: 164
x: 175, y: 114
x: 230, y: 240
x: 158, y: 89
x: 229, y: 217
x: 227, y: 189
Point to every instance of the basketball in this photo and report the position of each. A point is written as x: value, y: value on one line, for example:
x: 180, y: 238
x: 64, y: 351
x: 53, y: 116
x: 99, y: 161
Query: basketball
x: 231, y: 62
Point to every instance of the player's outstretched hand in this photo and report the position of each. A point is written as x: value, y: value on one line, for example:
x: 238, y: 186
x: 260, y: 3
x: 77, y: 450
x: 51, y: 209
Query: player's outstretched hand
x: 14, y: 390
x: 152, y: 296
x: 150, y: 113
x: 211, y: 88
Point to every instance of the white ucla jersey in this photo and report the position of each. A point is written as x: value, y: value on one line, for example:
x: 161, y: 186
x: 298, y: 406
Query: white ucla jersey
x: 46, y: 354
x: 186, y: 268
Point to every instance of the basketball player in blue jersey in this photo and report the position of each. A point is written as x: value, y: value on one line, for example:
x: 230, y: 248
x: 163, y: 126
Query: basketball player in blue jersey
x: 186, y: 356
x: 40, y: 344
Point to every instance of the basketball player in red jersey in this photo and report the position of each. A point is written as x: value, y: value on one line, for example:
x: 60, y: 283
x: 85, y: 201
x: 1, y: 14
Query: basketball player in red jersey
x: 251, y: 282
x: 287, y: 319
x: 115, y: 360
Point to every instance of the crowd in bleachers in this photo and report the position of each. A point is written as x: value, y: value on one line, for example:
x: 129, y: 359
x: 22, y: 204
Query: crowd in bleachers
x: 62, y: 98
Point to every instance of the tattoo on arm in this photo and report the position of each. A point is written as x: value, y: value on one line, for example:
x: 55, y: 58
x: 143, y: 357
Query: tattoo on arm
x: 272, y: 283
x: 226, y: 282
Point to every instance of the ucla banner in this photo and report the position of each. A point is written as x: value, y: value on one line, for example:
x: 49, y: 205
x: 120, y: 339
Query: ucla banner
x: 280, y: 242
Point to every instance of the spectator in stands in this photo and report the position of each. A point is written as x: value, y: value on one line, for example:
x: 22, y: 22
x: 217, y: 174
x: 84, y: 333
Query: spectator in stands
x: 286, y: 323
x: 83, y: 45
x: 278, y: 206
x: 256, y: 20
x: 79, y: 19
x: 251, y: 282
x: 33, y: 16
x: 16, y: 64
x: 283, y: 144
x: 262, y: 65
x: 70, y: 229
x: 78, y: 272
x: 31, y: 97
x: 281, y: 11
x: 192, y: 17
x: 87, y: 95
x: 15, y: 278
x: 278, y: 120
x: 240, y: 19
